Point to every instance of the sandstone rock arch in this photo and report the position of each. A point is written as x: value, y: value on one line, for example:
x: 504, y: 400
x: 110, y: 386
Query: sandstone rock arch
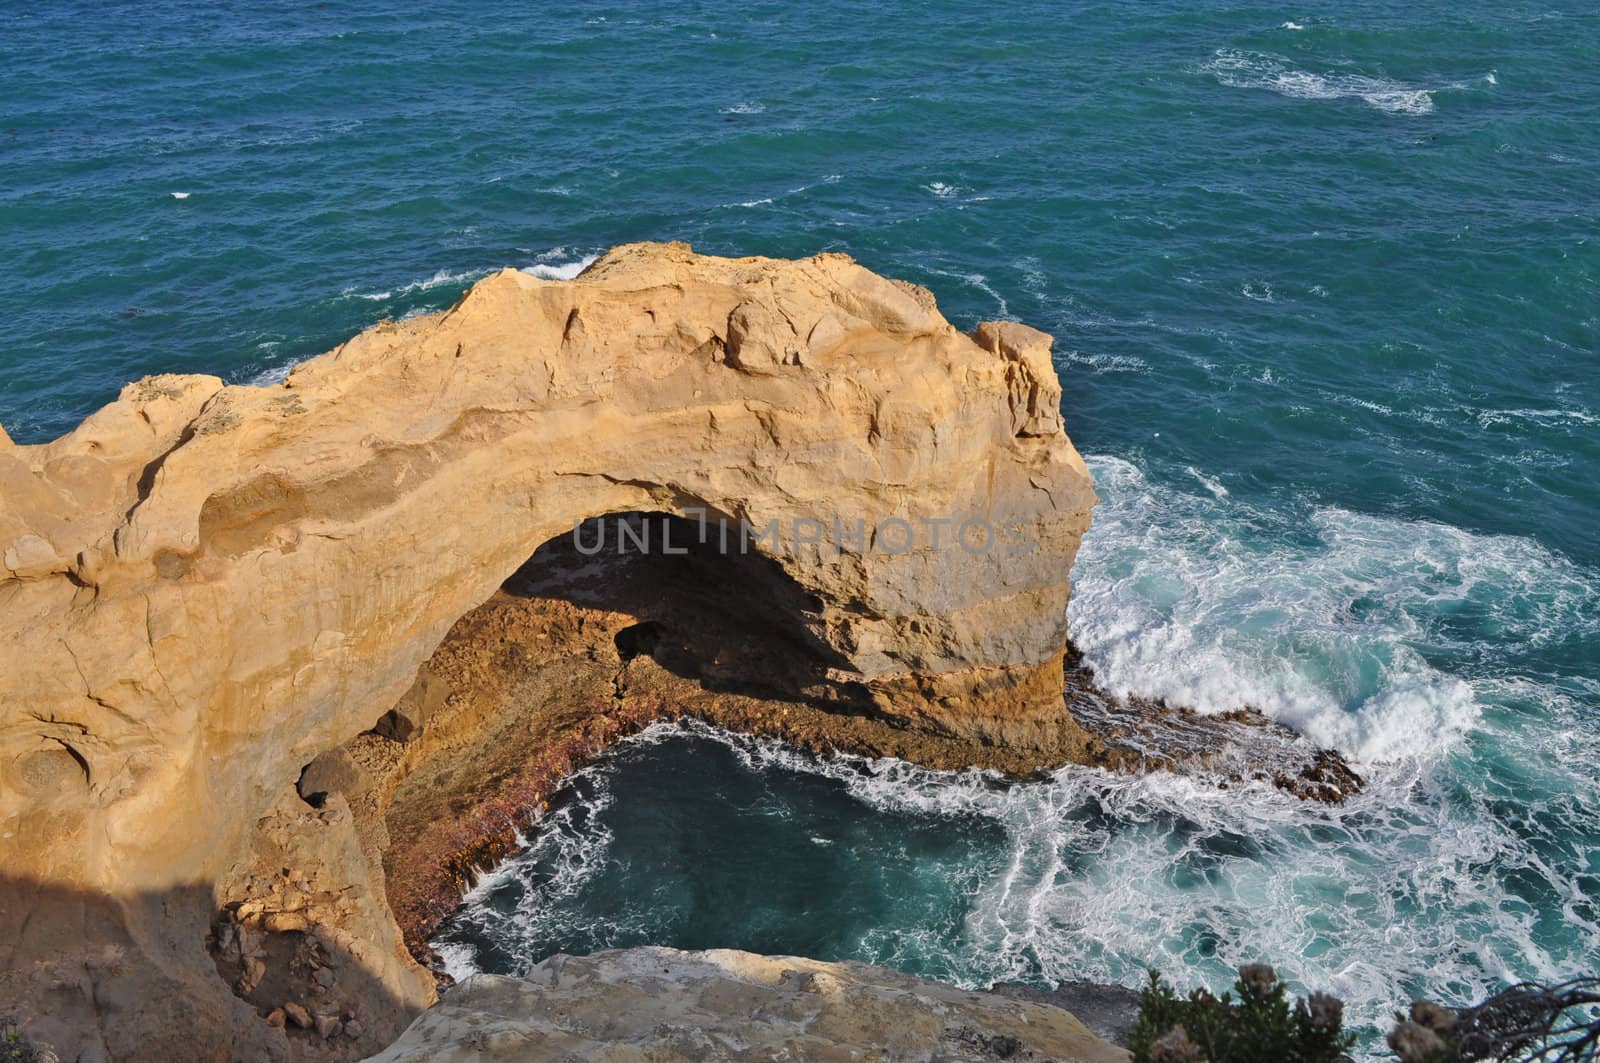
x: 203, y: 586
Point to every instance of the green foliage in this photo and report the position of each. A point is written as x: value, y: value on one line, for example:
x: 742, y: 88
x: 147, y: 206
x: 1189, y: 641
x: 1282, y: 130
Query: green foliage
x: 1256, y: 1026
x: 14, y: 1048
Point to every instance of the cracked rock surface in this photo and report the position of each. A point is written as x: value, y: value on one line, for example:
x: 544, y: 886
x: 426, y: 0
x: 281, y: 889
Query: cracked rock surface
x: 662, y: 1004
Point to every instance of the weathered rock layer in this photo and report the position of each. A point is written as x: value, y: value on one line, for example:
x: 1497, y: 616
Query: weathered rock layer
x: 662, y: 1004
x: 204, y: 588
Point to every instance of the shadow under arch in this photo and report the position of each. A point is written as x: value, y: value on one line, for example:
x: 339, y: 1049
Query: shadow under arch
x: 711, y: 606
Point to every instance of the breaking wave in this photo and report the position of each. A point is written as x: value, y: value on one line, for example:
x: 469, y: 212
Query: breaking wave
x: 1242, y: 69
x: 1360, y: 631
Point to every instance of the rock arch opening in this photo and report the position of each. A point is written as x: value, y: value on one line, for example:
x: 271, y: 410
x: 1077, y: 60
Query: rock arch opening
x: 626, y: 619
x: 707, y: 606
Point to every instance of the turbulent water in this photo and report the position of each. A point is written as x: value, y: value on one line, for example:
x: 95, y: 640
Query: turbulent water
x: 1325, y: 282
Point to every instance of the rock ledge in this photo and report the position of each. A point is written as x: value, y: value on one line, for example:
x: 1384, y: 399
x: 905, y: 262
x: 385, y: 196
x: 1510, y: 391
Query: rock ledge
x: 663, y: 1004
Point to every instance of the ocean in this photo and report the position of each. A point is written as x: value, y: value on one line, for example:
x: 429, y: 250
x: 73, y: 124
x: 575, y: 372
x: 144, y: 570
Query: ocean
x: 1324, y: 279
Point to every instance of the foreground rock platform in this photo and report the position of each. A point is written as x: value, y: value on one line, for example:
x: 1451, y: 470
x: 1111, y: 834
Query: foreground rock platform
x: 206, y: 588
x: 662, y: 1004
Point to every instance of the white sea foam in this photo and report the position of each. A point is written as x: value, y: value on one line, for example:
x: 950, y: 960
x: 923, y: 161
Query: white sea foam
x: 1559, y: 416
x: 1239, y: 68
x: 829, y: 179
x: 558, y: 263
x: 942, y: 190
x: 557, y: 267
x: 745, y: 108
x: 460, y: 961
x: 1209, y: 603
x: 439, y: 279
x: 1216, y: 489
x: 1365, y: 404
x: 273, y: 376
x: 1292, y: 26
x: 1408, y: 885
x: 1105, y: 363
x: 180, y: 195
x: 978, y: 281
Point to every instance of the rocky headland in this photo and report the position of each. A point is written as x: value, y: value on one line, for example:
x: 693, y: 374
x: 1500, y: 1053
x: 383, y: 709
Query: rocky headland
x: 285, y: 666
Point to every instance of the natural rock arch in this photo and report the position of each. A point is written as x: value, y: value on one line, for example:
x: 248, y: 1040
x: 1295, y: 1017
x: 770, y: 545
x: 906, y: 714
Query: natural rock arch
x: 202, y: 587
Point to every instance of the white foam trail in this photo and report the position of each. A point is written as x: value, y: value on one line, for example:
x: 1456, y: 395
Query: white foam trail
x: 765, y: 201
x: 1489, y: 418
x: 1216, y: 489
x: 744, y: 108
x: 1238, y: 68
x: 556, y: 264
x: 460, y: 961
x: 180, y: 195
x: 981, y: 283
x: 561, y: 270
x: 272, y: 377
x: 1212, y: 604
x: 1105, y: 363
x: 438, y: 279
x: 1365, y: 404
x: 1292, y: 26
x: 523, y: 899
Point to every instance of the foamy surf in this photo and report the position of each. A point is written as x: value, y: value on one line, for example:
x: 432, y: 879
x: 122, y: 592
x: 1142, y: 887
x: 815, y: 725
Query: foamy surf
x: 1411, y: 887
x: 559, y: 266
x: 272, y: 376
x: 439, y: 279
x: 1239, y: 68
x: 558, y: 263
x: 1330, y: 626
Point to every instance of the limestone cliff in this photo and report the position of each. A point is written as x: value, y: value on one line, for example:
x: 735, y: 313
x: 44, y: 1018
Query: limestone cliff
x: 205, y: 587
x: 662, y: 1004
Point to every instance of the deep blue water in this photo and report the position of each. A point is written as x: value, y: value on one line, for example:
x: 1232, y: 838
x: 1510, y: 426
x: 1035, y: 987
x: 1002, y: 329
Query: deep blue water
x: 1325, y: 284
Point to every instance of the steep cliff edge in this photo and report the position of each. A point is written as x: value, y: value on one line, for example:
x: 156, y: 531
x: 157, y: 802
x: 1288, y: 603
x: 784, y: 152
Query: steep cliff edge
x: 204, y: 588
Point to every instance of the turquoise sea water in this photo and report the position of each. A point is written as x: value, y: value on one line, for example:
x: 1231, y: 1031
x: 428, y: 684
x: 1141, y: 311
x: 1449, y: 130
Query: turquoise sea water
x: 1325, y: 285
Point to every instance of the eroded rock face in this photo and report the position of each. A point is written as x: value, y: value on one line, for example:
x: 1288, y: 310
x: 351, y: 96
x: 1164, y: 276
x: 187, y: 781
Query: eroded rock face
x: 655, y: 1003
x: 205, y: 587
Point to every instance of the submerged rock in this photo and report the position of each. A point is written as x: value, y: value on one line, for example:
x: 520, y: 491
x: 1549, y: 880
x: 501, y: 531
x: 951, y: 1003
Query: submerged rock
x: 655, y: 1003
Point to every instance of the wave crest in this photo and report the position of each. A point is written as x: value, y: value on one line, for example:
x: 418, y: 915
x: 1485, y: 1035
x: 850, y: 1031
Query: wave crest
x: 1242, y: 69
x: 1349, y: 627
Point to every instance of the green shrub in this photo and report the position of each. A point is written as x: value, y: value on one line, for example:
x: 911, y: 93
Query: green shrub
x: 1257, y: 1026
x: 14, y: 1048
x: 1526, y: 1023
